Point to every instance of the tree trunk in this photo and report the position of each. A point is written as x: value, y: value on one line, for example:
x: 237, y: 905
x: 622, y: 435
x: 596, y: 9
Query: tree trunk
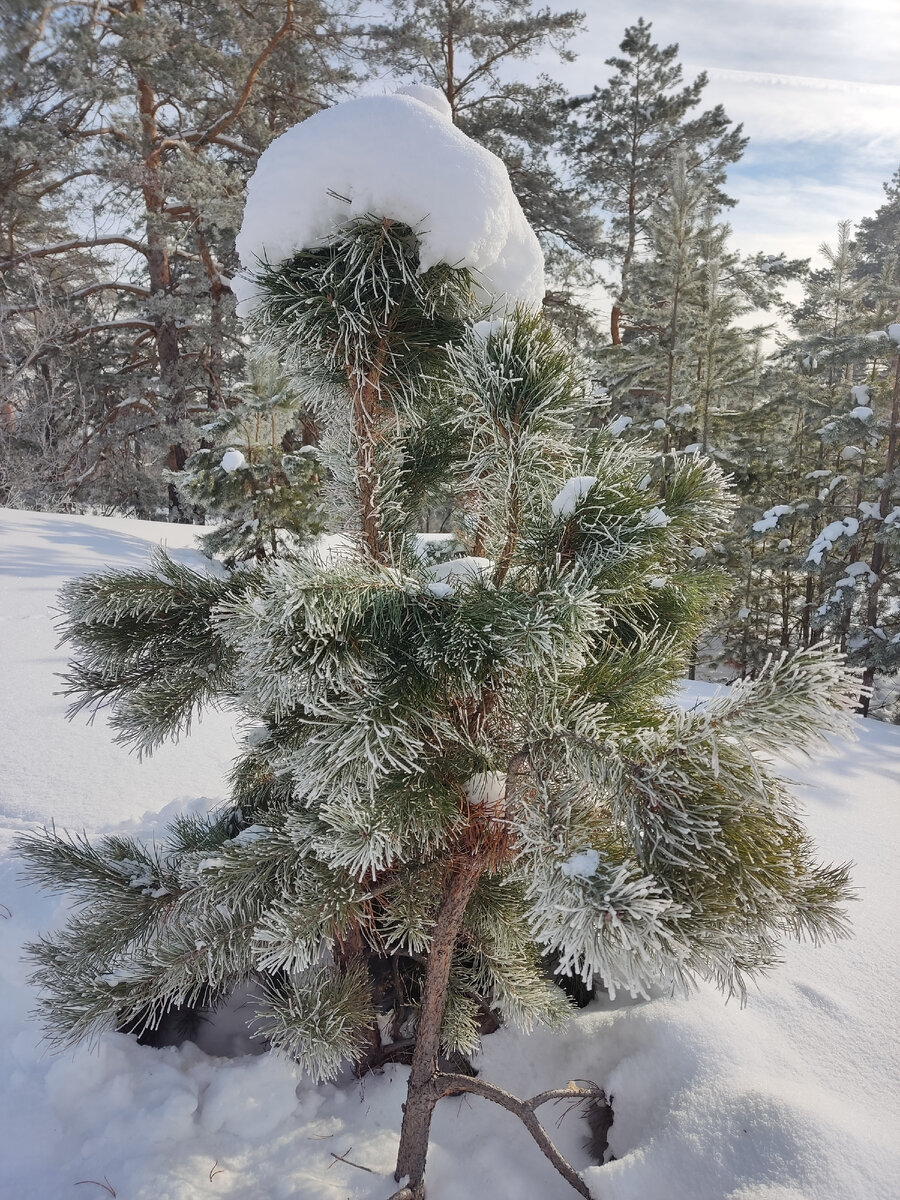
x: 367, y: 405
x: 878, y: 565
x: 424, y: 1092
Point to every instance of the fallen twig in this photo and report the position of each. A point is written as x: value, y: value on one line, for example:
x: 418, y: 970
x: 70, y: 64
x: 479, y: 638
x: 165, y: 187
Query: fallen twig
x: 344, y: 1159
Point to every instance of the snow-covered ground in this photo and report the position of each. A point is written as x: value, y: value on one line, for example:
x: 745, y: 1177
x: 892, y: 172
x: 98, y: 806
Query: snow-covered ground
x: 794, y: 1097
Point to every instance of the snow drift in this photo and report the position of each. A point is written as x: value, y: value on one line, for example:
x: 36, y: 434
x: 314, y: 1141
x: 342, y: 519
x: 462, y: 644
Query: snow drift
x: 794, y: 1097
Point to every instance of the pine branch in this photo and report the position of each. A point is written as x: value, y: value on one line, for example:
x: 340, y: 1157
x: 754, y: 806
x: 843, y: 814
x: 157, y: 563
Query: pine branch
x: 74, y: 244
x: 219, y: 127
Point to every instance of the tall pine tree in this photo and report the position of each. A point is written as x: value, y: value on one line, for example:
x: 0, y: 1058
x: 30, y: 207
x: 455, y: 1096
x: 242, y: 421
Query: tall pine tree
x: 628, y: 137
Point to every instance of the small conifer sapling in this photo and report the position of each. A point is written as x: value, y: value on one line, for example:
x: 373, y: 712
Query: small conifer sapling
x: 461, y: 761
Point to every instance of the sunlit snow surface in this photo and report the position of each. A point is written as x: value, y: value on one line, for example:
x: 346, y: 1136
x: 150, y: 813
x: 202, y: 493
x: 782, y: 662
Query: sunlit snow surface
x: 400, y: 157
x: 794, y: 1097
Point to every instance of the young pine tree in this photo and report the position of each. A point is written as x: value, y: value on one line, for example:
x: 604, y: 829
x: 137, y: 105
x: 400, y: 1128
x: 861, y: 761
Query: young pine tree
x: 260, y: 479
x: 458, y: 767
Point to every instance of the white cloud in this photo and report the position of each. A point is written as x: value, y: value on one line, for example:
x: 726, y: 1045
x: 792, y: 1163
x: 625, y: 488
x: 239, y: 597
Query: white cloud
x: 814, y: 83
x: 788, y: 108
x: 839, y: 39
x: 794, y: 214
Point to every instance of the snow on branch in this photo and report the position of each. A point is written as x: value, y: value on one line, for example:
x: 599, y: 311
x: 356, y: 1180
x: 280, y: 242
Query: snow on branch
x: 392, y: 157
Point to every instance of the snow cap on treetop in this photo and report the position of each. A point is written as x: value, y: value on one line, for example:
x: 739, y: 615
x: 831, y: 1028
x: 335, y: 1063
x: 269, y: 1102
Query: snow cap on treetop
x: 432, y: 97
x: 395, y: 156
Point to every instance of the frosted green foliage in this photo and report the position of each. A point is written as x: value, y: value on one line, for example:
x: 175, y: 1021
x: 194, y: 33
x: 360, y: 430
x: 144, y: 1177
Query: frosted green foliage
x: 258, y: 481
x: 509, y: 696
x: 698, y: 819
x: 316, y: 1017
x: 148, y: 650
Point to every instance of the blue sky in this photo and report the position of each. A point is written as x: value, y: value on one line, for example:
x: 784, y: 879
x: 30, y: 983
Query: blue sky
x: 816, y: 84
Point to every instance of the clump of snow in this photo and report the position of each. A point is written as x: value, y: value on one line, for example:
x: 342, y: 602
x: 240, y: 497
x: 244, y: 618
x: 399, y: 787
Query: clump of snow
x: 849, y: 527
x: 743, y: 614
x: 442, y: 591
x: 693, y: 448
x: 860, y: 393
x: 893, y: 332
x: 862, y: 412
x: 877, y: 335
x: 482, y: 330
x: 659, y: 425
x: 398, y: 157
x: 487, y: 789
x: 656, y: 518
x: 697, y: 552
x: 232, y: 460
x: 619, y: 425
x: 446, y: 577
x: 251, y: 834
x: 570, y: 495
x: 850, y: 452
x: 581, y: 865
x: 771, y: 517
x: 861, y: 568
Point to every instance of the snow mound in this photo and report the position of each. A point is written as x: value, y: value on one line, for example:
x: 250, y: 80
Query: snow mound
x: 791, y: 1097
x: 394, y: 156
x: 251, y: 1096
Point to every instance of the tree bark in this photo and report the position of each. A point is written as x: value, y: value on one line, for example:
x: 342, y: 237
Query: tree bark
x: 424, y: 1089
x: 879, y: 562
x: 366, y: 394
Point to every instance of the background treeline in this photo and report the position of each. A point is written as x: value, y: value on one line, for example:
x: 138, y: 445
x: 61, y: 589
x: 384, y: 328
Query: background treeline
x: 127, y: 134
